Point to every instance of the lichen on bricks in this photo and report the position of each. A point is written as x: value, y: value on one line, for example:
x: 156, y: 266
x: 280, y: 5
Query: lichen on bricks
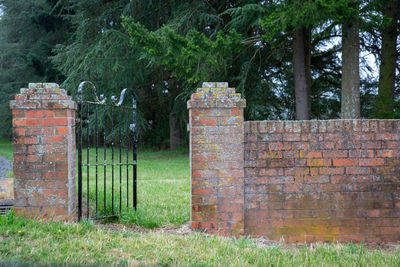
x: 217, y: 157
x: 44, y: 152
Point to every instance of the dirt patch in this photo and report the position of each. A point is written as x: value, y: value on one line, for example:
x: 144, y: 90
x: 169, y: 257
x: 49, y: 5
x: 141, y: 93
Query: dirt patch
x: 177, y: 230
x: 172, y: 230
x: 6, y: 189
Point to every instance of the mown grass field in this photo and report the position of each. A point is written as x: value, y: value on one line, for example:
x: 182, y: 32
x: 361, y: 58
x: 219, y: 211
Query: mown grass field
x: 163, y: 193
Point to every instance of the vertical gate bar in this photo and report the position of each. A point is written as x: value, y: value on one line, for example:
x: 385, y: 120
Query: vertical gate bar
x: 120, y: 161
x: 112, y: 160
x: 80, y: 155
x: 134, y: 154
x: 97, y: 154
x: 88, y: 161
x: 127, y: 158
x: 104, y: 158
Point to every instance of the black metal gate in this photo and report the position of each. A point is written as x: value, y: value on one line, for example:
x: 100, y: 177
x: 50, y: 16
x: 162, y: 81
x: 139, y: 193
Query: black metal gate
x: 106, y: 143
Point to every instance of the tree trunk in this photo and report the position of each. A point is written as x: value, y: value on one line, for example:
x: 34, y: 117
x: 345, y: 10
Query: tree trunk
x: 302, y: 72
x: 388, y: 57
x: 174, y: 135
x: 350, y: 70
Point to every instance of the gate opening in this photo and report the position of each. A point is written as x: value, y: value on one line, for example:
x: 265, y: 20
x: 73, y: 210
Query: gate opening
x: 107, y: 156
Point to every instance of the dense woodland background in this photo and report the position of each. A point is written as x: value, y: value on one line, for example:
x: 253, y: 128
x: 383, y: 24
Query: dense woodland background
x: 283, y: 56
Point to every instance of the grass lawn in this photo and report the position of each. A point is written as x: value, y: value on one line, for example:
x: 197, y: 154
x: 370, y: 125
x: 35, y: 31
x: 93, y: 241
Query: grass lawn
x: 163, y: 185
x: 163, y: 189
x: 6, y: 149
x: 85, y: 244
x: 163, y: 194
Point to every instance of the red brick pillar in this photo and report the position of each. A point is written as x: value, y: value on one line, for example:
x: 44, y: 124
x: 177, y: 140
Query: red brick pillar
x: 217, y: 159
x: 44, y: 152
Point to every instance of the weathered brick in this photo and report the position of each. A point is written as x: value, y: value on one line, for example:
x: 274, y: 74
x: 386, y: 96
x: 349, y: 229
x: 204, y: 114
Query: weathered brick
x: 62, y: 130
x: 372, y: 162
x: 53, y: 139
x: 319, y: 162
x: 39, y: 113
x: 311, y: 154
x: 297, y: 174
x: 361, y: 153
x: 40, y: 179
x: 387, y: 153
x: 344, y: 162
x: 335, y: 154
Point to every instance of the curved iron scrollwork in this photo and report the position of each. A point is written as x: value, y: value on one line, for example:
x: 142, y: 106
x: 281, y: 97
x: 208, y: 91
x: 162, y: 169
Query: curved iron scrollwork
x: 109, y: 129
x: 102, y: 100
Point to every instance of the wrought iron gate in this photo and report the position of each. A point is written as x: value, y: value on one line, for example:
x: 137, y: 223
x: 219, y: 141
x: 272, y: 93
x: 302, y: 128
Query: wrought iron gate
x: 106, y: 143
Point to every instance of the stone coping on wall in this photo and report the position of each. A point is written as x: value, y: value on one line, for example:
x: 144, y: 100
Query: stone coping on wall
x: 42, y: 96
x: 321, y: 126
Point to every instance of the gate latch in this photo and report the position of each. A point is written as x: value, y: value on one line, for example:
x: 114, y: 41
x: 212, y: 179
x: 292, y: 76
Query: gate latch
x: 132, y: 127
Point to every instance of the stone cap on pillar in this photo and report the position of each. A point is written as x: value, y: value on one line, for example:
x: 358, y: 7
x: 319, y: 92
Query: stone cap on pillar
x: 42, y: 95
x: 216, y: 95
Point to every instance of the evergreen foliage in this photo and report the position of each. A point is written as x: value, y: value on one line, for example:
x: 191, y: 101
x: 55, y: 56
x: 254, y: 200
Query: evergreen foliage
x: 165, y: 49
x: 28, y: 32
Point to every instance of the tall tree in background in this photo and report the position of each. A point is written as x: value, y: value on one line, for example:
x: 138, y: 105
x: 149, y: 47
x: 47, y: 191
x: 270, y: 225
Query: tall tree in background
x: 100, y: 51
x: 302, y: 72
x: 350, y: 63
x: 388, y: 57
x: 29, y: 30
x: 263, y: 48
x: 298, y: 19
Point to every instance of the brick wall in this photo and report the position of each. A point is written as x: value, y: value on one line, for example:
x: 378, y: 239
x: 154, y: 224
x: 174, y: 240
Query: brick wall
x: 323, y: 180
x: 336, y: 180
x: 216, y: 142
x: 44, y: 152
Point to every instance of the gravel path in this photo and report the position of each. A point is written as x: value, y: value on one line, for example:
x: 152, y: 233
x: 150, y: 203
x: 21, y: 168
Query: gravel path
x: 5, y: 166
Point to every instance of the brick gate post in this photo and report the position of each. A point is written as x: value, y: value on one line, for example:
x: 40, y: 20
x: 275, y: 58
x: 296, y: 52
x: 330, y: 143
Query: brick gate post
x: 44, y: 152
x: 217, y: 159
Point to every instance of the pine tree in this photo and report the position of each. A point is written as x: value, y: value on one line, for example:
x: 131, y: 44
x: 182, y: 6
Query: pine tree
x: 28, y: 32
x: 388, y: 57
x: 350, y: 64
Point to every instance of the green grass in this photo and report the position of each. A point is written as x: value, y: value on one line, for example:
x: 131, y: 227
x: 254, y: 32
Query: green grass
x: 6, y: 149
x: 163, y: 185
x: 163, y: 194
x: 85, y: 244
x: 163, y: 189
